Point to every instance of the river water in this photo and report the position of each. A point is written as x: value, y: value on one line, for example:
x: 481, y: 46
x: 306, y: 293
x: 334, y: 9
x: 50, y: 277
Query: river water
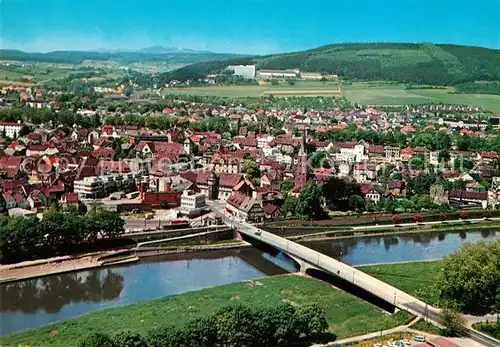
x: 37, y: 302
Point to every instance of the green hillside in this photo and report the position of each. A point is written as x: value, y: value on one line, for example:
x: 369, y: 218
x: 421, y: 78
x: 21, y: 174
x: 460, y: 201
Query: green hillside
x: 422, y: 63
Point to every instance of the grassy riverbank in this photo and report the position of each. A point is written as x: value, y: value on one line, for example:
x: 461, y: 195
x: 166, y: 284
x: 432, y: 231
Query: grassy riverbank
x: 347, y: 315
x: 416, y: 278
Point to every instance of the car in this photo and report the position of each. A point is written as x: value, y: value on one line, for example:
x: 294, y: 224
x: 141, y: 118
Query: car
x: 399, y: 344
x: 391, y: 344
x: 258, y: 232
x: 419, y: 338
x: 406, y: 342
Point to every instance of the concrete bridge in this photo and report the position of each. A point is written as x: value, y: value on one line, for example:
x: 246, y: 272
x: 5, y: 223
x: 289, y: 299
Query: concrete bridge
x: 311, y: 259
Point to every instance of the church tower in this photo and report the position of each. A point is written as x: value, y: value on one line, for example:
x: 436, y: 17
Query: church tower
x: 212, y: 186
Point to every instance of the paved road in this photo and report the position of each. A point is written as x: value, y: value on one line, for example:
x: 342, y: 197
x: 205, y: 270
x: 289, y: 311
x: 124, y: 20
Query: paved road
x: 350, y: 274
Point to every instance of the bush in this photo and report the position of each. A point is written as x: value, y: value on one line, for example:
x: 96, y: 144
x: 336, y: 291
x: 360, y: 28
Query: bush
x: 127, y: 338
x: 201, y: 332
x: 396, y: 219
x: 490, y: 329
x: 97, y: 339
x: 463, y: 215
x: 165, y: 336
x: 418, y: 218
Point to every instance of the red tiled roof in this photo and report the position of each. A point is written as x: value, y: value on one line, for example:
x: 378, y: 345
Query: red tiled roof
x: 379, y: 149
x: 489, y: 155
x: 407, y: 150
x: 270, y: 209
x: 72, y: 198
x: 463, y: 194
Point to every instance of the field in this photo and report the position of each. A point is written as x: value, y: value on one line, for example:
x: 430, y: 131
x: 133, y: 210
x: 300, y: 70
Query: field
x: 358, y: 92
x: 346, y: 314
x: 415, y: 278
x: 368, y: 94
x: 302, y: 88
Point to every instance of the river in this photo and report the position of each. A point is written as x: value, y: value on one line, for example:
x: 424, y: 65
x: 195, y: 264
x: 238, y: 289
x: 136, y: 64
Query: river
x: 36, y: 302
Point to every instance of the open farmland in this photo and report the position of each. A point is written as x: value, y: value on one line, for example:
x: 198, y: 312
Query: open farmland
x: 396, y: 94
x: 302, y: 88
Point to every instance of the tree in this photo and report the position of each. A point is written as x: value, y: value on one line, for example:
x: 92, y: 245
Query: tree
x: 453, y: 322
x: 25, y: 130
x: 286, y: 186
x: 127, y: 338
x: 165, y: 336
x: 279, y: 325
x: 309, y: 202
x: 317, y: 158
x: 463, y: 164
x: 421, y: 184
x: 356, y: 203
x: 496, y: 306
x: 337, y: 192
x: 251, y: 169
x: 444, y: 156
x: 97, y: 339
x: 200, y: 332
x: 311, y: 319
x: 471, y: 278
x: 110, y: 223
x: 236, y: 326
x: 289, y: 207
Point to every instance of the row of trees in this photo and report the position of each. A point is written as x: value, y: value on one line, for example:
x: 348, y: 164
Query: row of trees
x: 281, y: 325
x: 28, y: 238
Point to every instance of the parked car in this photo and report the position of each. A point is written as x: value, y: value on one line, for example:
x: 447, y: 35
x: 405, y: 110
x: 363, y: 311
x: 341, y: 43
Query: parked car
x: 419, y: 338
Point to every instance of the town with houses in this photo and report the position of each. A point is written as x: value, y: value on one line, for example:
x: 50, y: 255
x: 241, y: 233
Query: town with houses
x: 250, y: 169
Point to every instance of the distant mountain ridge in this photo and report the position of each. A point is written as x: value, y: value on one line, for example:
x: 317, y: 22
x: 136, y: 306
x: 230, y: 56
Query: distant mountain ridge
x: 163, y: 50
x: 418, y: 63
x: 156, y: 53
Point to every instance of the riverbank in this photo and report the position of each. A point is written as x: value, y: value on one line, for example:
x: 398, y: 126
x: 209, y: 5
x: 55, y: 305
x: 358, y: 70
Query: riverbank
x: 395, y: 230
x: 417, y: 278
x: 347, y: 315
x: 59, y: 265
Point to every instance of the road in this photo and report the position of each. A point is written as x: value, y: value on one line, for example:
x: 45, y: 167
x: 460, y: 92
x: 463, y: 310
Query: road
x: 350, y: 274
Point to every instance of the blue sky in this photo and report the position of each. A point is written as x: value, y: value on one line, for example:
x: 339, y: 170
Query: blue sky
x: 243, y: 26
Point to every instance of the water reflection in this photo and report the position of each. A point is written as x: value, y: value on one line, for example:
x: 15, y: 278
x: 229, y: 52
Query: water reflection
x: 51, y: 293
x: 404, y: 247
x: 33, y: 303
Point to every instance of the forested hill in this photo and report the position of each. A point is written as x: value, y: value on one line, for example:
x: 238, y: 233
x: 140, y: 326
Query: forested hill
x: 422, y: 63
x: 77, y: 57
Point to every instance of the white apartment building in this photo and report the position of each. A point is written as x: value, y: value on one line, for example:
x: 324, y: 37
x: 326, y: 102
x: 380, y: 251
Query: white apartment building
x: 99, y: 186
x: 11, y: 129
x: 278, y: 73
x: 245, y: 71
x: 192, y: 203
x: 263, y: 141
